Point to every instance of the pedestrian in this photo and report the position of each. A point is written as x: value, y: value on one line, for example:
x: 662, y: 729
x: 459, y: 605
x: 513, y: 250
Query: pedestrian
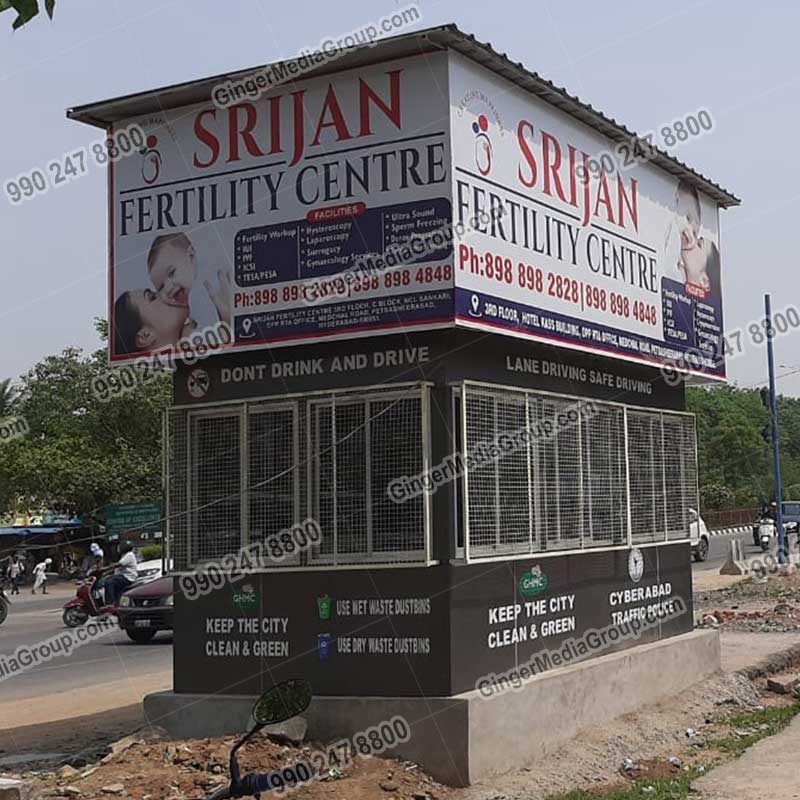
x: 15, y: 573
x: 40, y: 575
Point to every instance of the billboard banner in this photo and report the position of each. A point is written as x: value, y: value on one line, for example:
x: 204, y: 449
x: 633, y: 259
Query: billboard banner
x: 623, y: 260
x: 248, y: 216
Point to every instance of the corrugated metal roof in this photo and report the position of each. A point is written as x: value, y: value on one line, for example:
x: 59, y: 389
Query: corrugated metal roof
x: 104, y: 113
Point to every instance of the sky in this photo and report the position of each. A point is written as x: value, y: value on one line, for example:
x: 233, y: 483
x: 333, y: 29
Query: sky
x: 642, y: 64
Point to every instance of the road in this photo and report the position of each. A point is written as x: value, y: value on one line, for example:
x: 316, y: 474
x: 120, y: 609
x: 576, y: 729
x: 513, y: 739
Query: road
x: 720, y: 548
x: 102, y: 682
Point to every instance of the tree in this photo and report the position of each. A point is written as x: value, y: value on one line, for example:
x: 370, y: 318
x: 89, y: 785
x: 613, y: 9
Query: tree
x: 26, y: 10
x: 82, y: 453
x: 732, y: 455
x: 6, y: 398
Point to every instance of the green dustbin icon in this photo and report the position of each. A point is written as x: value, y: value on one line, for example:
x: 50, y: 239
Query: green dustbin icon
x: 324, y: 604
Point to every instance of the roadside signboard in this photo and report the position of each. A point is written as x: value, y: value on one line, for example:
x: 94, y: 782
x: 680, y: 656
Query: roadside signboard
x: 135, y: 522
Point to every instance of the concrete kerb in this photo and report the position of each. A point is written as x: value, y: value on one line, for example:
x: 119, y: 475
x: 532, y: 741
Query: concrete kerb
x: 461, y: 739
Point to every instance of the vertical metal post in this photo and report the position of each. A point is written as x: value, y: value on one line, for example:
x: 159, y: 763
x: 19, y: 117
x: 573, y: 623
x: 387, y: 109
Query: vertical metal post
x: 334, y: 483
x: 531, y: 510
x: 628, y: 515
x: 465, y: 480
x: 776, y: 451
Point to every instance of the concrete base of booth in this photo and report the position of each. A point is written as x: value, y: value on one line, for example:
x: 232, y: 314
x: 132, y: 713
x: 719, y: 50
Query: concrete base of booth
x: 461, y: 739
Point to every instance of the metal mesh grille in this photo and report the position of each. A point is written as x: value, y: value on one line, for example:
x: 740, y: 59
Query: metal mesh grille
x: 177, y: 522
x: 272, y: 471
x: 215, y: 488
x: 646, y: 467
x: 572, y: 483
x: 358, y: 445
x: 252, y: 464
x: 680, y: 472
x: 605, y: 507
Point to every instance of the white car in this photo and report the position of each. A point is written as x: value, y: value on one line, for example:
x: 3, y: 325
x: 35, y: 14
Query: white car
x: 150, y: 570
x: 698, y: 536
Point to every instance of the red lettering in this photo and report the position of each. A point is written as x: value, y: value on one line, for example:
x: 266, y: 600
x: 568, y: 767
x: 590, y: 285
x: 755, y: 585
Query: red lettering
x: 551, y: 169
x: 631, y: 203
x: 299, y: 130
x: 573, y: 189
x: 527, y: 154
x: 275, y: 124
x: 331, y: 105
x: 366, y: 95
x: 207, y: 138
x: 604, y: 197
x: 234, y: 131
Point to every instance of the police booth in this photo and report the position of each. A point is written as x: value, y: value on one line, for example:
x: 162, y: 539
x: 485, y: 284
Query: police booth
x: 460, y: 308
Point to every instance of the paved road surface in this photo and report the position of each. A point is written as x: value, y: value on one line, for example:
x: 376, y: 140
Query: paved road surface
x: 96, y: 692
x: 720, y: 548
x: 107, y: 657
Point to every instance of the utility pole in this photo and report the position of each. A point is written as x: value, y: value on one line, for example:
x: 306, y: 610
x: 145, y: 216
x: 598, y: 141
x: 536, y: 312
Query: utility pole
x: 776, y: 449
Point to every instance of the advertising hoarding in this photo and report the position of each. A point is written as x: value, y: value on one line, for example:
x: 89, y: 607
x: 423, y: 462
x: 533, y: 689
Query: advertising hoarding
x: 242, y: 215
x: 624, y: 262
x: 419, y: 193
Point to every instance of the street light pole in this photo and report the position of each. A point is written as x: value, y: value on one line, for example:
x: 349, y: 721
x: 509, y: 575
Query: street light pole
x: 776, y: 450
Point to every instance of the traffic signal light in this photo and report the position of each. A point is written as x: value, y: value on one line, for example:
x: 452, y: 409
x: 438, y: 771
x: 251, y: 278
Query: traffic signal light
x: 764, y: 392
x: 766, y: 434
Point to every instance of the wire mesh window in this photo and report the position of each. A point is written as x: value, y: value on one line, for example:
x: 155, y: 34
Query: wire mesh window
x: 571, y: 482
x: 272, y: 486
x: 240, y: 474
x: 357, y: 446
x: 215, y: 491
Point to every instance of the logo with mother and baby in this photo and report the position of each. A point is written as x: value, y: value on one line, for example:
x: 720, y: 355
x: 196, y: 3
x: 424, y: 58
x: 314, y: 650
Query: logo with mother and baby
x: 170, y: 301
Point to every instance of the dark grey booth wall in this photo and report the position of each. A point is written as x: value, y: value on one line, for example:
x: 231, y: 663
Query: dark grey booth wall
x: 440, y: 356
x: 430, y: 631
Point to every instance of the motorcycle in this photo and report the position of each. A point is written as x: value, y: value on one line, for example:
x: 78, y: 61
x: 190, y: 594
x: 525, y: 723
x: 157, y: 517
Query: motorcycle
x: 4, y: 604
x: 85, y: 604
x: 283, y: 701
x: 766, y: 530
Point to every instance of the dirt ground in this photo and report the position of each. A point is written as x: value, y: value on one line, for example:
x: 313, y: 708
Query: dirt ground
x: 659, y: 741
x: 164, y: 770
x: 771, y: 605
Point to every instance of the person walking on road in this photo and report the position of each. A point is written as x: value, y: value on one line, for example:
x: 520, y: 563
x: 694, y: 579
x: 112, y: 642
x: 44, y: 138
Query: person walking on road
x: 15, y: 574
x: 40, y: 575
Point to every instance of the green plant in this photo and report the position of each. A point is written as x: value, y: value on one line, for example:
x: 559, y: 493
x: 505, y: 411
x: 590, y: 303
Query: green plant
x: 150, y: 552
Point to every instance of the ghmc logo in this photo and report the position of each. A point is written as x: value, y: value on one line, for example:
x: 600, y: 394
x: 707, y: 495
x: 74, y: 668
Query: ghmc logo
x: 533, y: 582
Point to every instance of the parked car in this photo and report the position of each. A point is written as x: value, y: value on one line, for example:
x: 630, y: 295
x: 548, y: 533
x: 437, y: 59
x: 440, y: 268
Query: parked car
x: 147, y: 609
x: 150, y: 570
x: 698, y: 536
